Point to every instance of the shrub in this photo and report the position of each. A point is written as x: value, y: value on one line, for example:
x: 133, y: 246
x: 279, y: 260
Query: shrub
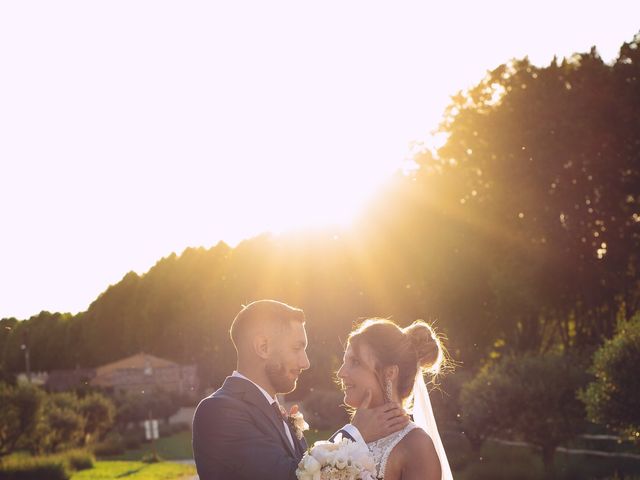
x: 35, y: 468
x: 113, y: 444
x: 546, y: 385
x: 21, y: 409
x: 79, y: 459
x: 99, y: 413
x: 613, y: 399
x: 64, y: 428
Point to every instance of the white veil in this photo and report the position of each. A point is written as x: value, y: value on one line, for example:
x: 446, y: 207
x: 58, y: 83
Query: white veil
x: 423, y: 417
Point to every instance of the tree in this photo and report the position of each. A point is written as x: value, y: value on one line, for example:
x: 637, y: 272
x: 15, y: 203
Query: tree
x: 530, y: 397
x: 613, y: 399
x: 98, y: 413
x: 62, y: 429
x: 60, y: 425
x: 481, y: 405
x: 542, y: 163
x: 19, y: 415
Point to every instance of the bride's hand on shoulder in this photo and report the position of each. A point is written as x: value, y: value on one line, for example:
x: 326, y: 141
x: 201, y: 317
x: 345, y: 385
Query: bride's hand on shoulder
x: 378, y: 422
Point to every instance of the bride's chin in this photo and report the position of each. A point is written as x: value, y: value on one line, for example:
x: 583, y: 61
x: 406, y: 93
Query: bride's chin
x: 349, y: 401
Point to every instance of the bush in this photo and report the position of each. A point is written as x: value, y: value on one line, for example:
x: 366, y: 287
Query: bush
x: 79, y: 459
x: 99, y: 413
x: 113, y: 444
x: 546, y: 385
x: 613, y: 399
x: 19, y: 415
x: 63, y: 428
x: 35, y: 468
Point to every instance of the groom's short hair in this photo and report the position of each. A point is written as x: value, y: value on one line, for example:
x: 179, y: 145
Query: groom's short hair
x: 264, y: 313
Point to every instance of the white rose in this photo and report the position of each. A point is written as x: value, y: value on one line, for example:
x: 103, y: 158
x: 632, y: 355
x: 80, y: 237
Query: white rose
x: 364, y: 461
x: 322, y: 451
x: 341, y: 460
x: 309, y: 464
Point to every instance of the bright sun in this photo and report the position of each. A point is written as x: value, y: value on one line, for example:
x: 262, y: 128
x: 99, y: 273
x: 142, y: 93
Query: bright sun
x: 133, y: 131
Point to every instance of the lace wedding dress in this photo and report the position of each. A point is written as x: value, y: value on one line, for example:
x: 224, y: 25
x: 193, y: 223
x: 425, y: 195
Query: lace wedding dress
x: 381, y: 449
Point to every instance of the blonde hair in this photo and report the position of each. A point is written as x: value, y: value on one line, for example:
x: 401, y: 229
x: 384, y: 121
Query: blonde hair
x: 415, y: 348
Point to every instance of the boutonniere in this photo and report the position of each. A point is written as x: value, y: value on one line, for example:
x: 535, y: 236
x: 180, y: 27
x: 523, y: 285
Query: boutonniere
x: 296, y: 420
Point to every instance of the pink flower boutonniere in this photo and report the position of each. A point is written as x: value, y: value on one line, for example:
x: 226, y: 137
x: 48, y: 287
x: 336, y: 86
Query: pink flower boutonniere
x: 297, y: 422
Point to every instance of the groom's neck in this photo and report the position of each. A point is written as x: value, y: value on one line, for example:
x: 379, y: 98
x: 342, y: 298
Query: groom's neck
x: 258, y: 377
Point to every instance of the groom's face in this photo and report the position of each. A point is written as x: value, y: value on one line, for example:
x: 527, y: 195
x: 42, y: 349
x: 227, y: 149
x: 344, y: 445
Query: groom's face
x: 288, y: 359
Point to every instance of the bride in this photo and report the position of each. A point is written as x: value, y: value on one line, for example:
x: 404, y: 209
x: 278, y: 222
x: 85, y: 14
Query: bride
x: 384, y: 363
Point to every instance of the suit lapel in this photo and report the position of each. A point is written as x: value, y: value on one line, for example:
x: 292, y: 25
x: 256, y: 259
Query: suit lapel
x: 251, y: 394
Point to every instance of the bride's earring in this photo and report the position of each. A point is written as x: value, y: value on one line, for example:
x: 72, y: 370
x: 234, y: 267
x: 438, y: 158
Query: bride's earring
x: 388, y: 390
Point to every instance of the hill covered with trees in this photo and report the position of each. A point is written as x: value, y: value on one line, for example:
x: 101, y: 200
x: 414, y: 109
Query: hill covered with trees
x: 520, y: 234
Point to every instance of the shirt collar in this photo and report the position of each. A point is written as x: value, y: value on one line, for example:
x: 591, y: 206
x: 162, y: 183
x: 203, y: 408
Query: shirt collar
x: 269, y: 398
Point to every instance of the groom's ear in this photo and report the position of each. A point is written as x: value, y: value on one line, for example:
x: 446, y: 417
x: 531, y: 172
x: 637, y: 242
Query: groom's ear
x: 261, y: 346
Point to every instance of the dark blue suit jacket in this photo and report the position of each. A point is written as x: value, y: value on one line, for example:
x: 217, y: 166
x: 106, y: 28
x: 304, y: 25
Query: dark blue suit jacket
x: 237, y: 435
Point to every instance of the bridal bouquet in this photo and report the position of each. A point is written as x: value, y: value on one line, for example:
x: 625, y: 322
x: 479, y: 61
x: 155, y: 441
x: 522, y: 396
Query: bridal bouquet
x: 341, y: 459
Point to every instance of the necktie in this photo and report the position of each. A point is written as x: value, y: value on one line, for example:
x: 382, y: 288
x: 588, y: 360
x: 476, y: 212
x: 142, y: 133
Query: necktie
x: 282, y: 416
x: 278, y: 411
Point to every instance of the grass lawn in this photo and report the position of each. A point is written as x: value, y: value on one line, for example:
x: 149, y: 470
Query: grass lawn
x: 174, y: 447
x: 136, y: 471
x: 497, y: 462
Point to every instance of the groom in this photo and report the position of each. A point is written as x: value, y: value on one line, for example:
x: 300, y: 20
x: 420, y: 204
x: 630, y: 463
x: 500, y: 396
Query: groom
x: 240, y: 432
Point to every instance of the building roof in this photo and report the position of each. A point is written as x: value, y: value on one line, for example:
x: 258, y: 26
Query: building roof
x: 138, y: 361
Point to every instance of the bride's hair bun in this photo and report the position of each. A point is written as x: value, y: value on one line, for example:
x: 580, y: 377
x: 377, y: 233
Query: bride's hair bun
x: 427, y: 345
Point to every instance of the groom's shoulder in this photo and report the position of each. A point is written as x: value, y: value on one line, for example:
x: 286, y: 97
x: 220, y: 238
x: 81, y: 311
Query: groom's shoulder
x: 225, y: 396
x: 215, y: 408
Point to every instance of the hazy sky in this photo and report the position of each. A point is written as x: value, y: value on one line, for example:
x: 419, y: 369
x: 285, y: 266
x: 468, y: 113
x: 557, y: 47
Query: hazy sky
x: 131, y: 129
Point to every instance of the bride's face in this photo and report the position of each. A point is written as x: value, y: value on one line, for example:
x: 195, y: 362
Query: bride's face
x: 357, y: 375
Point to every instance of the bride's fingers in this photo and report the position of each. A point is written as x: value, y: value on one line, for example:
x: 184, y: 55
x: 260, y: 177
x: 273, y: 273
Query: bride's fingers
x: 397, y: 421
x: 395, y: 427
x: 393, y: 409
